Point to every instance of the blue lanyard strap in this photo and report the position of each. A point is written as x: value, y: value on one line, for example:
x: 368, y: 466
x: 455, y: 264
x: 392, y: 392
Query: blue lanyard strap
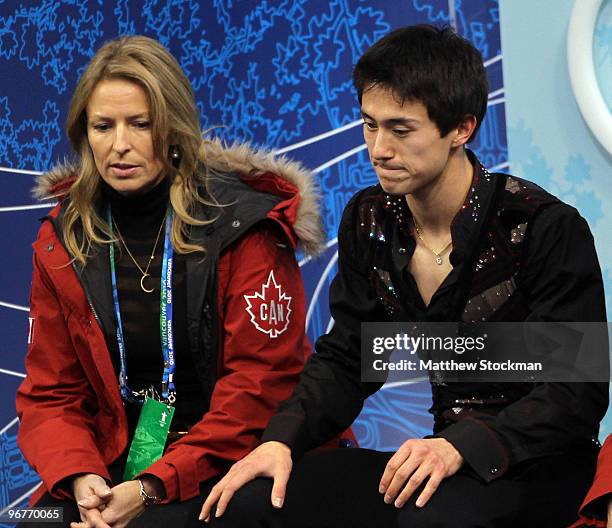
x: 165, y: 317
x: 165, y: 321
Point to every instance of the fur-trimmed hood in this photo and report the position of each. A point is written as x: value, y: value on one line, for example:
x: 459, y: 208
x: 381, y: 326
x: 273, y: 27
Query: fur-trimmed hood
x: 238, y: 158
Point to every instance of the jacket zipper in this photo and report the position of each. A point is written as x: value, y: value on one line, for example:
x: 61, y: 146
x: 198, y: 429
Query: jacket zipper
x: 93, y: 310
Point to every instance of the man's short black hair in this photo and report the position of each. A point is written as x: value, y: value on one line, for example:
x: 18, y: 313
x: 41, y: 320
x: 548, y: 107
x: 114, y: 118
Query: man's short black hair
x: 428, y: 64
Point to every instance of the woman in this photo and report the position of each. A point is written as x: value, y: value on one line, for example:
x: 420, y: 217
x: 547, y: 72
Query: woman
x: 166, y: 272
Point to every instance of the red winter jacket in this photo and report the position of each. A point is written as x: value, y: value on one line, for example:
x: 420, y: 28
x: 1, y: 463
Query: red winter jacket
x: 71, y: 415
x: 601, y: 490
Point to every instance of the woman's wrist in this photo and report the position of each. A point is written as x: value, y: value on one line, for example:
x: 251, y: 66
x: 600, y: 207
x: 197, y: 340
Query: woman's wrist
x: 153, y: 486
x: 73, y: 481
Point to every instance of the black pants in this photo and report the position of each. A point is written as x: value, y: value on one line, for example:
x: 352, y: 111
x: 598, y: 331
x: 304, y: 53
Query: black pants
x: 339, y: 489
x: 173, y: 515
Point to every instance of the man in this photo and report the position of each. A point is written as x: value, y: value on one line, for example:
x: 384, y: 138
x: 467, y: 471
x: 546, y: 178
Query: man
x: 440, y: 239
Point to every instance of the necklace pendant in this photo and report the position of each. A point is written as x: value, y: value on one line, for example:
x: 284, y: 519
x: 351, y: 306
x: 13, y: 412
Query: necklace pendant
x: 439, y: 260
x: 142, y: 279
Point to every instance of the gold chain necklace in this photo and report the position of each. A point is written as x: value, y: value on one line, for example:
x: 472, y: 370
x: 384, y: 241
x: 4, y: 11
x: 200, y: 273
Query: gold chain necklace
x: 438, y: 254
x: 145, y: 272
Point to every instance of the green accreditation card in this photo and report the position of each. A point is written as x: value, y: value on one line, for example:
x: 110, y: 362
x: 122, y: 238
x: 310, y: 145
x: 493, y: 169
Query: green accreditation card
x: 149, y: 438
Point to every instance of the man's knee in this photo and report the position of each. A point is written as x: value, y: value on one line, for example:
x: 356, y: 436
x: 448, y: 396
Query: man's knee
x: 250, y: 507
x: 412, y: 517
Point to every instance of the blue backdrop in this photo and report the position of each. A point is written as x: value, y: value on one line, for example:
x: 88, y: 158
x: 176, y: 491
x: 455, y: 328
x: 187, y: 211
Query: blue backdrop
x: 273, y: 72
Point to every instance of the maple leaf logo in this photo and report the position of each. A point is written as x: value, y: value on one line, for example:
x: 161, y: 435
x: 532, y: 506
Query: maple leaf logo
x: 270, y: 308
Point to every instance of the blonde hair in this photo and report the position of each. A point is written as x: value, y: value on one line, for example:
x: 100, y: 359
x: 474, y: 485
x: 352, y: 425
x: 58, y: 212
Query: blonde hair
x: 174, y: 121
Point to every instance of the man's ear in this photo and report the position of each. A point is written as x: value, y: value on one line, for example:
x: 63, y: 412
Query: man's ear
x: 464, y: 130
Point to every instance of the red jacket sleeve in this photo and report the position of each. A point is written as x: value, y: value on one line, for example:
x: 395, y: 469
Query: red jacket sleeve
x: 55, y: 401
x: 262, y: 317
x: 595, y: 505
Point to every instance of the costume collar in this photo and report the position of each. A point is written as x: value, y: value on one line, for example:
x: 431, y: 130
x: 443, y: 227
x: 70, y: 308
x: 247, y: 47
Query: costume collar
x: 469, y: 222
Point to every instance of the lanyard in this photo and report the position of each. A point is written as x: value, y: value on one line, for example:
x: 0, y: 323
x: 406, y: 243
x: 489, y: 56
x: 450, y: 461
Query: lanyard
x: 165, y: 322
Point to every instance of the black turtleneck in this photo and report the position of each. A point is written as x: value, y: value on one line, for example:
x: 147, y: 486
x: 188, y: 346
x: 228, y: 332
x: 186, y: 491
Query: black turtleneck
x: 138, y: 219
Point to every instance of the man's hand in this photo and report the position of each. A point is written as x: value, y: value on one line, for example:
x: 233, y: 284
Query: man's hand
x: 92, y: 494
x: 270, y: 459
x: 415, y: 461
